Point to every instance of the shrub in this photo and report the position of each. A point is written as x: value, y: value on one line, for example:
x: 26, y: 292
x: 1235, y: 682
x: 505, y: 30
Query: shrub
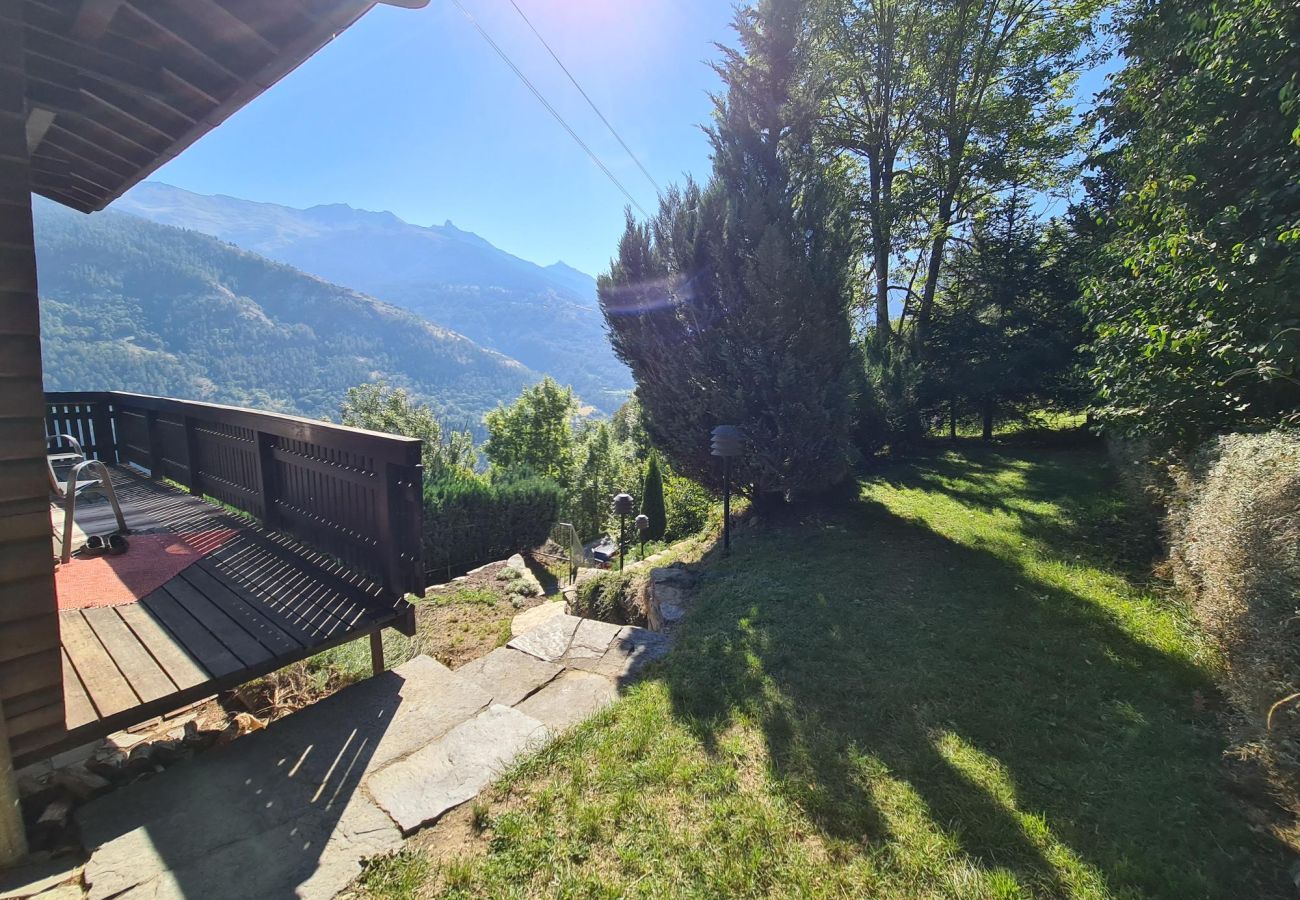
x: 889, y: 413
x: 1234, y: 533
x: 687, y: 505
x: 469, y: 521
x: 608, y: 597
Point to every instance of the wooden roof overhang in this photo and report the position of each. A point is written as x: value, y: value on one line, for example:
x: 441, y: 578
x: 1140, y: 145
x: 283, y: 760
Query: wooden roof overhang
x: 116, y: 88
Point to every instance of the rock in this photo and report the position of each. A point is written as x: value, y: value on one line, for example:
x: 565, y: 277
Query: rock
x: 631, y: 651
x: 62, y: 892
x: 83, y: 783
x: 517, y: 563
x: 40, y: 877
x: 509, y: 675
x: 668, y: 597
x: 531, y: 618
x: 281, y: 811
x: 674, y: 575
x: 314, y: 856
x: 420, y: 788
x: 548, y: 641
x: 570, y: 699
x: 56, y: 813
x: 591, y: 639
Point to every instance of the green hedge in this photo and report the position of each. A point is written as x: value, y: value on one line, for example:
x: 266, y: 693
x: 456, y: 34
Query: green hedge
x: 469, y: 521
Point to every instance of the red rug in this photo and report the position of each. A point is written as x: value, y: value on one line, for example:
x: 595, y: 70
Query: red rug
x: 151, y: 561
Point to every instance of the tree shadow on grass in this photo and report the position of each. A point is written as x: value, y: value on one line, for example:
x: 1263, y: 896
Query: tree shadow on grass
x: 906, y: 684
x: 1089, y: 518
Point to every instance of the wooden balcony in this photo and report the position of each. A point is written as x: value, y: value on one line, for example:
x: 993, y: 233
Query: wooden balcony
x: 297, y: 535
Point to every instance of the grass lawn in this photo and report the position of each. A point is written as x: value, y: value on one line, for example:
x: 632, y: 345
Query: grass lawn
x: 949, y: 686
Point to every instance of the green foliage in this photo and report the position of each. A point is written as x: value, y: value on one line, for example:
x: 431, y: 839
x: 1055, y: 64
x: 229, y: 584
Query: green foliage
x: 470, y: 520
x: 1195, y: 296
x: 534, y: 434
x: 1007, y: 321
x: 652, y: 501
x: 130, y: 305
x: 936, y: 108
x: 730, y: 304
x: 603, y: 467
x: 466, y: 596
x: 889, y: 411
x: 602, y: 596
x: 953, y: 690
x: 396, y: 876
x: 688, y: 506
x: 378, y: 407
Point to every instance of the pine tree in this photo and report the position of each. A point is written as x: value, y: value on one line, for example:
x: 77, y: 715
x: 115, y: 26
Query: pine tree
x: 730, y: 305
x: 652, y: 502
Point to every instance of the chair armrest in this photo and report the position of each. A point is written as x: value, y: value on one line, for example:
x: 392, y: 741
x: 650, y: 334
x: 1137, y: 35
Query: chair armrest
x: 69, y: 439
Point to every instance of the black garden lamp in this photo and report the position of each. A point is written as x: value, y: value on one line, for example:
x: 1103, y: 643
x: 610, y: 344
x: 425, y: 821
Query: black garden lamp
x: 642, y: 526
x: 623, y: 506
x: 728, y: 441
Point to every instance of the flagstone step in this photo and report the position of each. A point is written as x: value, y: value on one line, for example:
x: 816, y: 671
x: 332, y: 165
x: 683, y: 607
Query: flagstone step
x: 294, y: 809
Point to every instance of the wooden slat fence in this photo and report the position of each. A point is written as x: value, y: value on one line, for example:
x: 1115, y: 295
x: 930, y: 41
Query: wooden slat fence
x: 352, y: 494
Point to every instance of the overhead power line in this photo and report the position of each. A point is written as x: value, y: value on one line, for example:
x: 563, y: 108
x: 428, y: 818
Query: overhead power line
x: 590, y: 102
x: 549, y: 108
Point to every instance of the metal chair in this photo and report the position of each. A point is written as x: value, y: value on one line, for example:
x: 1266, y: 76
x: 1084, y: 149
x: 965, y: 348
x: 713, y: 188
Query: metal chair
x: 75, y: 486
x: 65, y: 457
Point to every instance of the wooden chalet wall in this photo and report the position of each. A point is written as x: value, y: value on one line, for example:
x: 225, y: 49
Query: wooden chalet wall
x: 31, y: 691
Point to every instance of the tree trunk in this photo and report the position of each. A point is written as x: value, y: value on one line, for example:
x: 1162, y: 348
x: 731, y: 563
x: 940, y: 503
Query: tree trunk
x: 988, y: 417
x: 952, y: 420
x: 880, y: 245
x: 932, y: 269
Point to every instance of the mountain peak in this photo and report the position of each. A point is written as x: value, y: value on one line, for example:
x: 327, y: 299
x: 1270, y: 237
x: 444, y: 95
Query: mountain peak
x: 343, y: 214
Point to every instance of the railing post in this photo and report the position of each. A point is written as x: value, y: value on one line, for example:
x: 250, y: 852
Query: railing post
x: 191, y: 455
x: 400, y: 529
x: 264, y: 460
x: 155, y: 443
x: 102, y: 423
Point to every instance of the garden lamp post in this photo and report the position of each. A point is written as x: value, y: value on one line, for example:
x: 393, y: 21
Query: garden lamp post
x: 623, y: 507
x: 642, y: 526
x: 728, y: 441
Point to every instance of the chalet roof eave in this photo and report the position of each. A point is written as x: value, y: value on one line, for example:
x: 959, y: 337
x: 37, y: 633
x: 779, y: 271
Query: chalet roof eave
x: 76, y: 181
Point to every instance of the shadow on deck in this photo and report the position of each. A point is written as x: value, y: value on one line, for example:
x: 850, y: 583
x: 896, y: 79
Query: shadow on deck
x: 254, y: 602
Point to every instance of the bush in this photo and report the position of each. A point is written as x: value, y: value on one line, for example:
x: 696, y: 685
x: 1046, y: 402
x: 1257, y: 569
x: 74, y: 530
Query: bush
x: 468, y: 521
x: 687, y: 506
x: 1234, y: 533
x: 889, y: 409
x: 609, y: 597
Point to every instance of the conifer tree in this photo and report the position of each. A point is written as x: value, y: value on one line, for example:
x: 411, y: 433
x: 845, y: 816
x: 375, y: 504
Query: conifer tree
x: 652, y: 502
x: 730, y: 305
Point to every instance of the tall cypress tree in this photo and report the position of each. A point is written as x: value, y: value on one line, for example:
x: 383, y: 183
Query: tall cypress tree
x: 652, y: 502
x: 730, y: 305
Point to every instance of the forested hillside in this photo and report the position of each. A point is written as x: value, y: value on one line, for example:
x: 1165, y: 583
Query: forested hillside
x: 544, y: 316
x: 132, y: 305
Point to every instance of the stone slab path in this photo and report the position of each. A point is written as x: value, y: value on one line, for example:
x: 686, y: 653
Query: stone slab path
x: 293, y: 810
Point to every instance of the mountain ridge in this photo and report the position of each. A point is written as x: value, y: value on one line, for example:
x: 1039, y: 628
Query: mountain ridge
x: 129, y: 304
x: 546, y: 317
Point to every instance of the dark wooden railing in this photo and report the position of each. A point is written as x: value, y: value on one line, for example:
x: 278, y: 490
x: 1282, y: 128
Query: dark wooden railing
x: 352, y: 494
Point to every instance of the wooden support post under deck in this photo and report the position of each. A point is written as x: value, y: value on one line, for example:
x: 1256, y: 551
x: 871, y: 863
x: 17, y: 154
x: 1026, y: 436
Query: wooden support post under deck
x: 377, y: 651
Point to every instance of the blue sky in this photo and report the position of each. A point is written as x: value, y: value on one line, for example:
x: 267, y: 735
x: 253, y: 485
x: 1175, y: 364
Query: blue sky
x: 411, y: 111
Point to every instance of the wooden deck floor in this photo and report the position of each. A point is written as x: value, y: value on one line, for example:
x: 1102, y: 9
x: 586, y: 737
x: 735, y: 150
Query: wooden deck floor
x: 257, y: 602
